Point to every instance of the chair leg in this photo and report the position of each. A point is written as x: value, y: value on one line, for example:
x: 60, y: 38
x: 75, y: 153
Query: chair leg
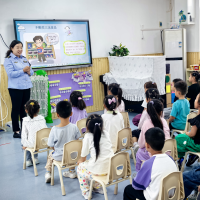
x: 34, y: 165
x: 24, y: 164
x: 91, y: 188
x: 130, y: 178
x: 104, y: 191
x: 47, y: 154
x: 134, y: 160
x: 116, y: 189
x: 52, y: 174
x: 61, y: 182
x: 183, y: 163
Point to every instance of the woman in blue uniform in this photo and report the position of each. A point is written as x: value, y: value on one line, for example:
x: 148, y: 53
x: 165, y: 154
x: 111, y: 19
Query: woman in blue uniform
x: 19, y: 83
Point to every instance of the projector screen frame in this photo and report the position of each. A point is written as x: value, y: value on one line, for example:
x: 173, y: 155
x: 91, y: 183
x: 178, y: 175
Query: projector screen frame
x: 63, y: 66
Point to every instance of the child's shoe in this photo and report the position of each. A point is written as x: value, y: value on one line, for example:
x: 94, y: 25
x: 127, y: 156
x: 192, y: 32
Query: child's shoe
x: 193, y: 196
x: 36, y: 161
x: 29, y: 163
x: 48, y: 177
x: 70, y: 174
x: 99, y: 190
x: 86, y: 195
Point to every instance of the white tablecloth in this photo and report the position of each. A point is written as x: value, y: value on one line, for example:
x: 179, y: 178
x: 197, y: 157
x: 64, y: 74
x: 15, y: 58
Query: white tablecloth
x: 132, y: 72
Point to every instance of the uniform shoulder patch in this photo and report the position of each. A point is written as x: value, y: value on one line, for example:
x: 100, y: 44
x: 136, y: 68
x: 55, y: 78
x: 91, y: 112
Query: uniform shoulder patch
x: 9, y: 57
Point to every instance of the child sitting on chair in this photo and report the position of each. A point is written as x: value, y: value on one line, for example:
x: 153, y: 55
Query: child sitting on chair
x: 173, y: 88
x: 96, y: 143
x: 78, y: 107
x: 59, y: 135
x: 181, y: 108
x: 146, y: 184
x: 194, y: 89
x: 30, y: 126
x: 155, y: 112
x: 112, y: 119
x: 190, y: 141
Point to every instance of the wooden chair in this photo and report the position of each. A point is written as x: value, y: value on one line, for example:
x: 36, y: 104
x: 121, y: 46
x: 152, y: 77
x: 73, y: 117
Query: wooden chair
x: 126, y: 119
x: 172, y: 187
x: 187, y: 126
x: 71, y: 155
x: 119, y: 170
x: 41, y: 139
x: 124, y: 142
x: 81, y: 124
x: 171, y: 146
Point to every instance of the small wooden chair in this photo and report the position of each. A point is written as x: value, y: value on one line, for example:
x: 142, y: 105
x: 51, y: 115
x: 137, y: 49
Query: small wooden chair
x: 69, y: 160
x: 172, y: 187
x: 126, y: 119
x: 81, y: 124
x: 41, y: 139
x: 119, y: 170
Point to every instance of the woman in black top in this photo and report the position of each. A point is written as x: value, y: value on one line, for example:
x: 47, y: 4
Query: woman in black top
x: 194, y: 89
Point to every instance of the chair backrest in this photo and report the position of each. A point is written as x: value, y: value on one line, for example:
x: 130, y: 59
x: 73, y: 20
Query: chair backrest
x: 124, y: 139
x: 190, y: 116
x: 81, y: 124
x: 71, y: 152
x: 171, y: 146
x: 41, y: 138
x: 119, y: 167
x: 172, y: 187
x: 126, y: 119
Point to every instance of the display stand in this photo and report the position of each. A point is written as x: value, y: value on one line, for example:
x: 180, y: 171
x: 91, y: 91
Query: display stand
x: 40, y: 93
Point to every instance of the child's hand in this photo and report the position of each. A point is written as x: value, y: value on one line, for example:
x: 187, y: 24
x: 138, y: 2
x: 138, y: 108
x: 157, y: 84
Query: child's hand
x: 79, y: 161
x: 24, y: 147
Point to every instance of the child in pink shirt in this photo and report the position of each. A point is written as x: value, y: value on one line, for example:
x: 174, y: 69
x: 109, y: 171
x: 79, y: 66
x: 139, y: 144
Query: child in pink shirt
x: 155, y: 112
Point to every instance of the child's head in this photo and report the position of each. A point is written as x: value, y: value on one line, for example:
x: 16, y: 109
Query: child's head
x: 155, y: 110
x: 94, y: 124
x: 180, y: 88
x: 152, y: 93
x: 197, y: 102
x: 110, y: 103
x: 194, y: 77
x: 64, y: 109
x: 149, y: 85
x: 174, y: 82
x: 155, y: 140
x: 76, y: 98
x: 115, y: 90
x: 32, y: 108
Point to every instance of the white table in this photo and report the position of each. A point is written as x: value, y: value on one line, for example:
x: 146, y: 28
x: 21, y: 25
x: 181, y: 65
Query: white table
x: 132, y: 72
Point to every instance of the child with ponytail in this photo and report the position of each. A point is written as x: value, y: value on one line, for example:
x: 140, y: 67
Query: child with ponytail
x: 115, y: 90
x: 155, y: 112
x: 194, y: 89
x: 112, y: 119
x: 30, y: 126
x: 78, y: 107
x: 96, y: 142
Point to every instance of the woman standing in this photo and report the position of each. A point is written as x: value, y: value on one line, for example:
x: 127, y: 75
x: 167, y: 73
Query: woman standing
x: 19, y: 83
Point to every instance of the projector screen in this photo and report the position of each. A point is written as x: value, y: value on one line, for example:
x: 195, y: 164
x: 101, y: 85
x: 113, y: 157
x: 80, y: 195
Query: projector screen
x: 55, y: 44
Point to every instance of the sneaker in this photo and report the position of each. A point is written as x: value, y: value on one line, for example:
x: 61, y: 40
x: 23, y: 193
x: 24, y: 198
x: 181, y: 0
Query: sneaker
x: 38, y: 61
x: 70, y: 174
x: 99, y: 190
x: 36, y: 161
x: 193, y: 196
x: 86, y: 195
x: 45, y: 61
x: 48, y: 177
x: 191, y: 160
x: 29, y: 163
x: 17, y: 135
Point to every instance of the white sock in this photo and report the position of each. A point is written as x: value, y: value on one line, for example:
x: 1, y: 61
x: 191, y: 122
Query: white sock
x: 135, y: 143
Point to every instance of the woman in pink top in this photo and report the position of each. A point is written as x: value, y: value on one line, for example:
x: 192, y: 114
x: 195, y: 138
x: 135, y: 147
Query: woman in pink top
x: 154, y: 110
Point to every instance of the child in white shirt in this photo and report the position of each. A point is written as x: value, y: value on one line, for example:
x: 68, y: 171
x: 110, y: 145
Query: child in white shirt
x: 96, y: 143
x: 31, y: 124
x: 112, y: 119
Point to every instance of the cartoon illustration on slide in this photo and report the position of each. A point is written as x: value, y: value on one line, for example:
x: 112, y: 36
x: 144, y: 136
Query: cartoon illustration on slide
x: 68, y: 31
x: 40, y: 48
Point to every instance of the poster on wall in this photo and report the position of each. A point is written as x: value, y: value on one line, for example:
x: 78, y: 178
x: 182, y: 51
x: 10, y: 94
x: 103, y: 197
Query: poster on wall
x: 61, y: 86
x: 50, y: 43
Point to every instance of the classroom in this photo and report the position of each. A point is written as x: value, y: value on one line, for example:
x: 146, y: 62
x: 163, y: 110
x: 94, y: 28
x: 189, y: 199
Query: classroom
x: 100, y: 99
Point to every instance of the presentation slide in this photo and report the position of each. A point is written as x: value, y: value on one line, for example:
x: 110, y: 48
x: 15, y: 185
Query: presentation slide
x: 54, y: 43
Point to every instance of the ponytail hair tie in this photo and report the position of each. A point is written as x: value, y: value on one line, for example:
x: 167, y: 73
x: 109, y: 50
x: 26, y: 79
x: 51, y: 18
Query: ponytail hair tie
x: 97, y: 124
x: 151, y: 102
x: 79, y: 98
x: 32, y: 104
x: 152, y: 82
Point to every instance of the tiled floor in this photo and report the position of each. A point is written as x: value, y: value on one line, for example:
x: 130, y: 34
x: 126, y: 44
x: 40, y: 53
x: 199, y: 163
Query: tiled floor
x: 19, y: 184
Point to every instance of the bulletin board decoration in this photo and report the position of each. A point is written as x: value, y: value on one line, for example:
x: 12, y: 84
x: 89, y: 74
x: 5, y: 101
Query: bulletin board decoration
x: 61, y: 86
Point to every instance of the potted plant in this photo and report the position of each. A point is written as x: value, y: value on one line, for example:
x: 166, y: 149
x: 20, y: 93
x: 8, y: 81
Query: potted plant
x: 119, y: 51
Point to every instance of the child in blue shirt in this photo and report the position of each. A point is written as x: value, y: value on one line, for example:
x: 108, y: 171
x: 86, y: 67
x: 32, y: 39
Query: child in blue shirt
x: 180, y: 108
